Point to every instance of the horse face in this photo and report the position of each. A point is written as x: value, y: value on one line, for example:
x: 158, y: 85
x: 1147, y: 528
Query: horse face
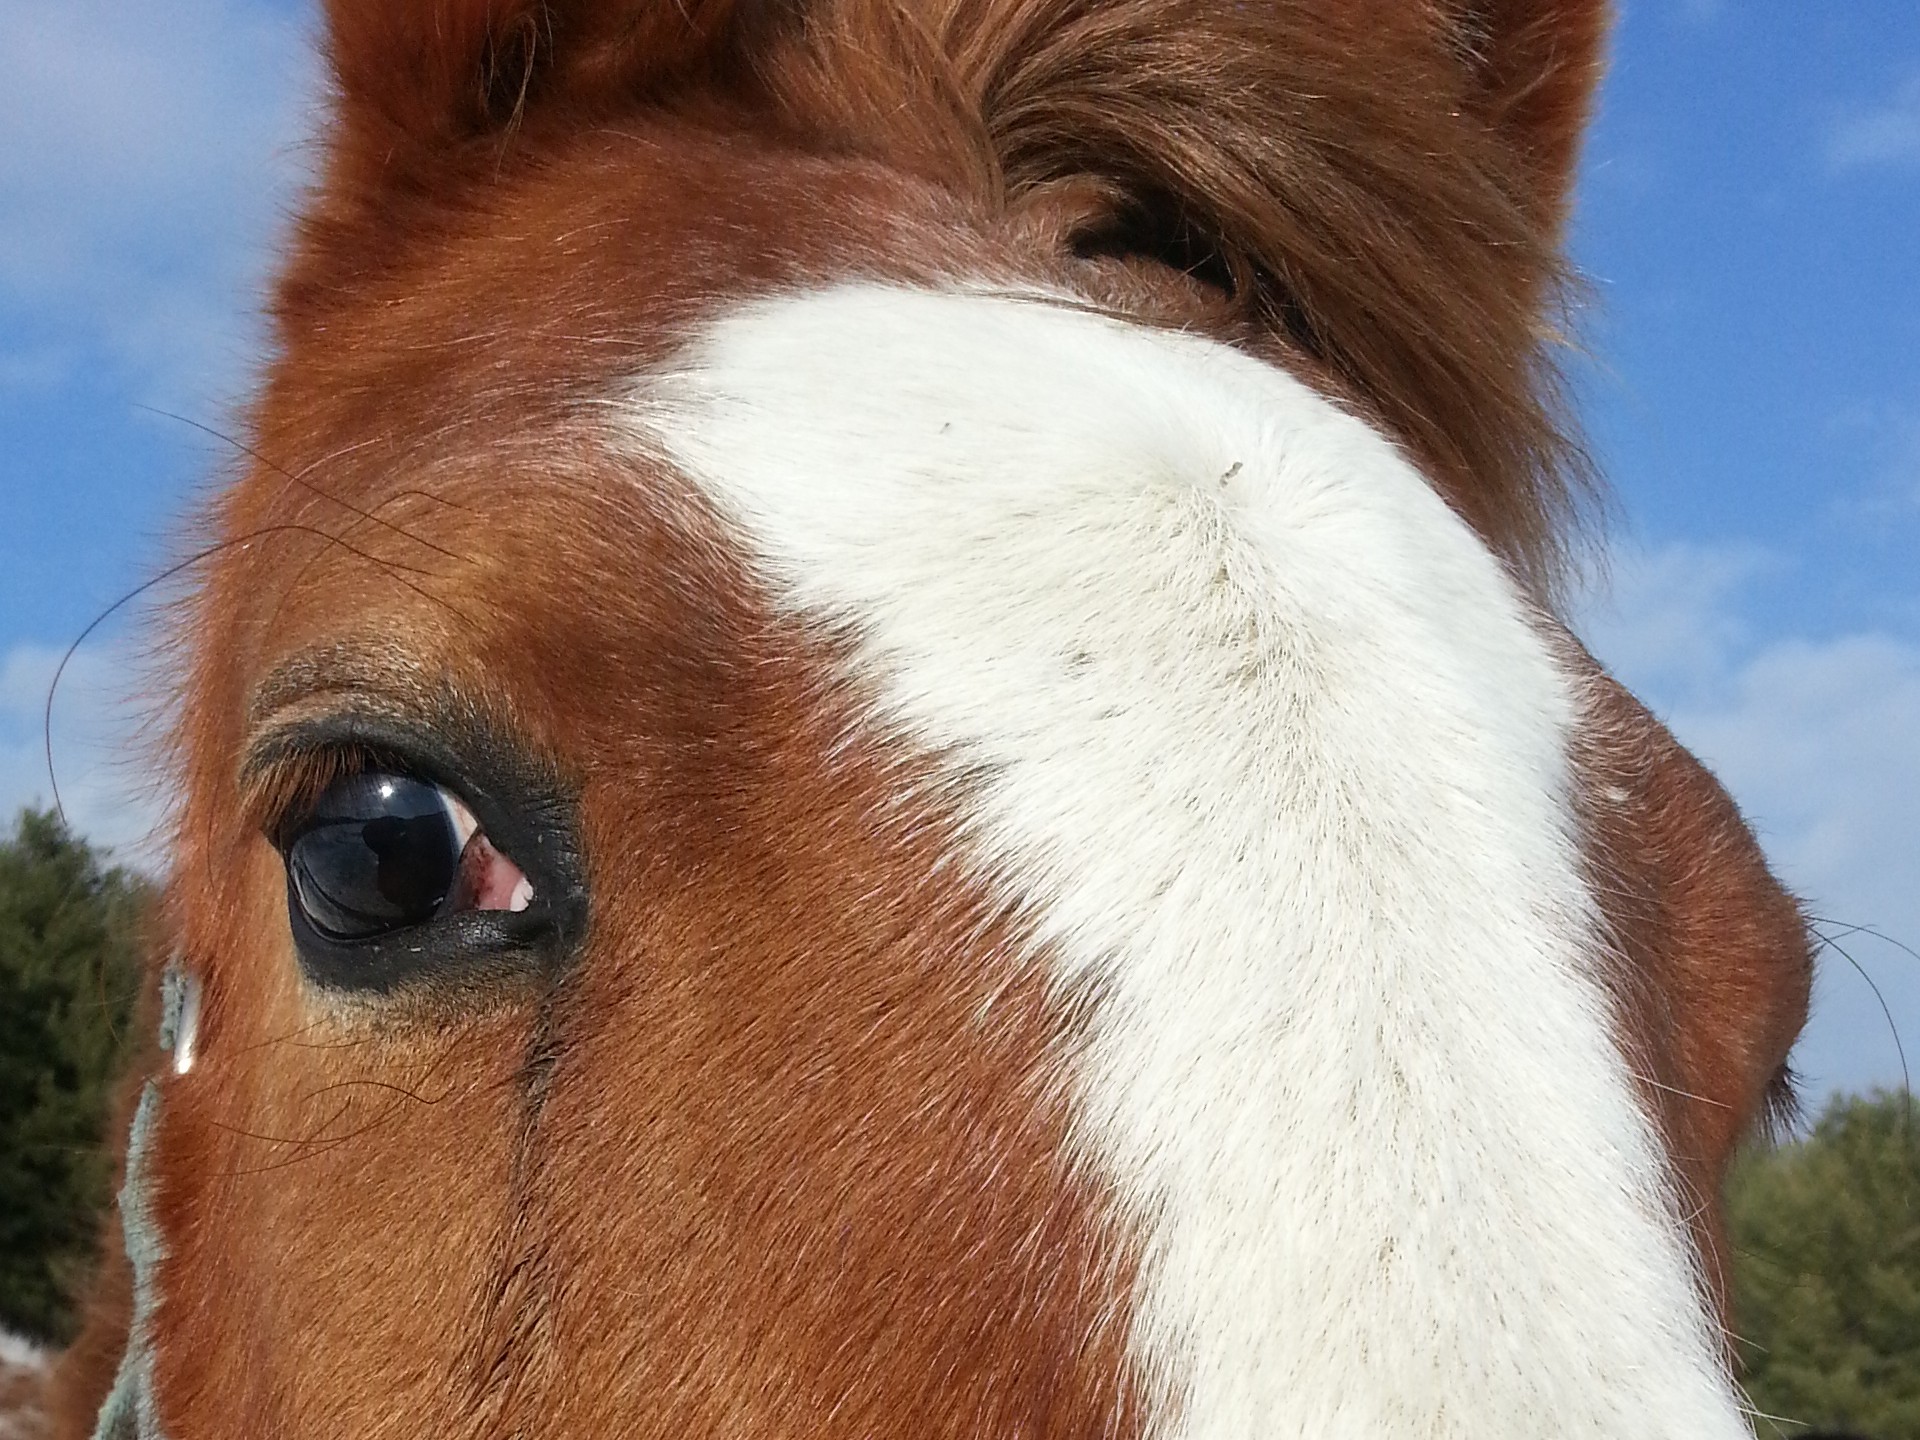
x: 882, y: 750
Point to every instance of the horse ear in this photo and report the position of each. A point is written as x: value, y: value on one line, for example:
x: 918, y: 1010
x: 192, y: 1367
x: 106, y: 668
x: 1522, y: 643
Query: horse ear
x: 1535, y: 65
x: 418, y: 78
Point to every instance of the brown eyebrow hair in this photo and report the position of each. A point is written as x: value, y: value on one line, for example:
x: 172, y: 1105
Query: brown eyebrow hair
x: 370, y: 669
x: 349, y: 705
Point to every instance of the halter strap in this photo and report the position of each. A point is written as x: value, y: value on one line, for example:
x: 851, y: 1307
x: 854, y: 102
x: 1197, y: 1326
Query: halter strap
x: 128, y: 1413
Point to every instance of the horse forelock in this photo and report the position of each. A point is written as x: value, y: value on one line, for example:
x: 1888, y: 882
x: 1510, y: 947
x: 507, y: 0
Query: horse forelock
x: 1381, y: 183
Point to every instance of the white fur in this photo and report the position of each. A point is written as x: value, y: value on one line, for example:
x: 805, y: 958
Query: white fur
x: 1264, y: 739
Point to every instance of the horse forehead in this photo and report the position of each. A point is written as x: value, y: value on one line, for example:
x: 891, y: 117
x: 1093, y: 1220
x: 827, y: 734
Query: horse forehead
x: 1038, y: 463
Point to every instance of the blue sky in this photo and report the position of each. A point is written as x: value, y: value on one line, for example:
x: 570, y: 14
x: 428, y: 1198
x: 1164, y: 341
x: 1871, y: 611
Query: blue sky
x: 1749, y: 216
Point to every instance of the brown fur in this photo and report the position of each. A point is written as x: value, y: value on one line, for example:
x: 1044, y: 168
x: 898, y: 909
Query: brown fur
x: 1712, y: 962
x: 755, y: 1164
x: 22, y: 1407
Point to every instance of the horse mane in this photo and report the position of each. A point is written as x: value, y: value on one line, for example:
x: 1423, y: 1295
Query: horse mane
x: 1379, y: 186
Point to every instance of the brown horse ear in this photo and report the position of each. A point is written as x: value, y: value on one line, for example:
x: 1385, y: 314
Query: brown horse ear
x: 1535, y: 65
x: 418, y: 78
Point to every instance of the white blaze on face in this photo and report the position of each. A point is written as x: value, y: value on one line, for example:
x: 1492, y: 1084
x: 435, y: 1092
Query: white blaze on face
x: 1262, y: 735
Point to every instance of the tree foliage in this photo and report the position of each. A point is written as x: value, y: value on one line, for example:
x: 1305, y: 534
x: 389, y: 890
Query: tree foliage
x: 1826, y: 1240
x: 70, y: 938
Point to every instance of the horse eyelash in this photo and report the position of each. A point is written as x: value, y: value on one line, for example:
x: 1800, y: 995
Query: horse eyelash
x: 291, y: 781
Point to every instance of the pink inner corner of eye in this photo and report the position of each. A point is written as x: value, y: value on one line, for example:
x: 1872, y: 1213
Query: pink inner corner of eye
x: 492, y: 881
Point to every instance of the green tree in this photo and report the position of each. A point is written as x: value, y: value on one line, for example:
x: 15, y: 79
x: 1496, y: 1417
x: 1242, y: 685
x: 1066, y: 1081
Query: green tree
x: 70, y: 938
x: 1826, y: 1272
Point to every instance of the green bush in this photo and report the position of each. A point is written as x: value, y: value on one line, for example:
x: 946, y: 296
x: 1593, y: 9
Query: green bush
x: 1826, y: 1272
x: 70, y: 935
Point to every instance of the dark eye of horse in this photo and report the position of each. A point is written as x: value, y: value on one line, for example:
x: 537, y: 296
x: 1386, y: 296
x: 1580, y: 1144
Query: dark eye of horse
x: 382, y: 851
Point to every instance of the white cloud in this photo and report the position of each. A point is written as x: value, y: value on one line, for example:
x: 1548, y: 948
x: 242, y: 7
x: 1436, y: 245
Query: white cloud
x: 1884, y: 433
x: 1887, y: 134
x: 147, y: 152
x: 1668, y: 620
x: 1819, y: 741
x: 100, y: 721
x: 1901, y: 472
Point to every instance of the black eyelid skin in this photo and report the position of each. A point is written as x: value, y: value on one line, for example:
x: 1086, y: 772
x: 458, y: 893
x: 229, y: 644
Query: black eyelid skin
x: 527, y: 812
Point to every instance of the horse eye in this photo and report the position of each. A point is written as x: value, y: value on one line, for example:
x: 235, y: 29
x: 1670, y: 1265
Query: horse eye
x: 382, y: 851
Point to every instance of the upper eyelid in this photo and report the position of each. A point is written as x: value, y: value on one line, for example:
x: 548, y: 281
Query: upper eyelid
x: 297, y: 754
x: 451, y: 739
x: 342, y: 680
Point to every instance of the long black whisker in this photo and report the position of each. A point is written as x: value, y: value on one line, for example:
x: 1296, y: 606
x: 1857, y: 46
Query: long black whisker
x: 1906, y: 1079
x: 1847, y: 928
x: 299, y: 478
x: 345, y: 535
x: 179, y: 567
